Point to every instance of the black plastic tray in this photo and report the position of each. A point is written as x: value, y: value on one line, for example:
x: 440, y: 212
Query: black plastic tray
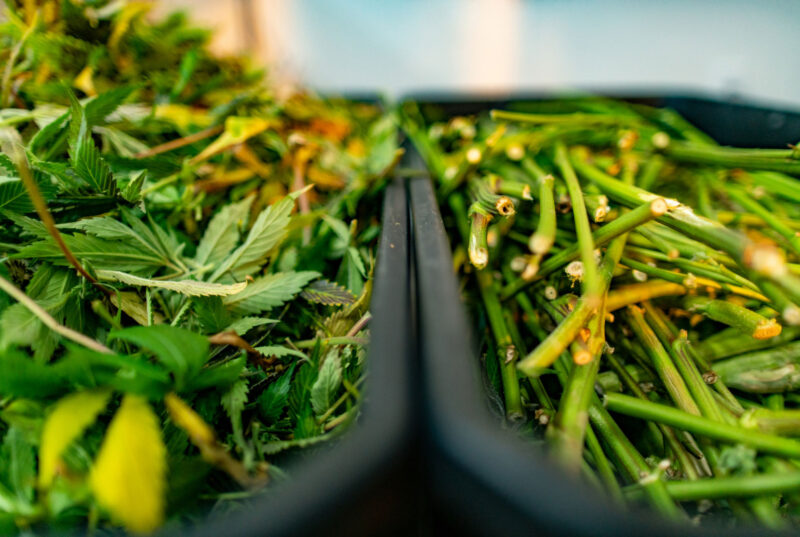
x: 361, y: 484
x: 485, y: 480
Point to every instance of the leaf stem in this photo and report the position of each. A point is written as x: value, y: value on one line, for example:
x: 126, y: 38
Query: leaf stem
x: 48, y: 319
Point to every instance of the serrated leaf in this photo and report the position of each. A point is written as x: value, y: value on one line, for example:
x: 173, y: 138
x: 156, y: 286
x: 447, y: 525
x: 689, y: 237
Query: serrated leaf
x: 90, y: 166
x: 13, y: 195
x: 45, y: 135
x: 279, y: 351
x: 18, y: 326
x: 181, y: 351
x: 101, y: 253
x: 97, y: 109
x: 129, y: 475
x: 237, y: 130
x: 268, y: 292
x: 273, y: 400
x: 18, y: 464
x: 233, y: 401
x: 20, y: 376
x: 70, y: 416
x: 218, y: 376
x: 327, y: 383
x: 328, y: 293
x: 245, y: 324
x: 184, y: 287
x: 222, y: 233
x: 267, y: 232
x: 133, y: 190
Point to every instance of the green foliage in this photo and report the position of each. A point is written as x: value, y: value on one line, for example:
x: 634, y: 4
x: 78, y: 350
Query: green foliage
x: 170, y: 176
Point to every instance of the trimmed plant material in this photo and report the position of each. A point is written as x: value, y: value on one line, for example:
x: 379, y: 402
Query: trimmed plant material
x: 642, y: 240
x: 185, y: 269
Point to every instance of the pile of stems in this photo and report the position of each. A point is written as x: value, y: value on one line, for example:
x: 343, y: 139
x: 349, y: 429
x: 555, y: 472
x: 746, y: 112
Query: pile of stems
x: 653, y: 273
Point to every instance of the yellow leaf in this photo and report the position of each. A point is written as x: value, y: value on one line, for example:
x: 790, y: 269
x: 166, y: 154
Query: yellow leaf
x: 85, y: 82
x: 182, y: 116
x: 189, y: 420
x: 129, y: 475
x: 69, y: 418
x: 122, y: 22
x: 237, y: 130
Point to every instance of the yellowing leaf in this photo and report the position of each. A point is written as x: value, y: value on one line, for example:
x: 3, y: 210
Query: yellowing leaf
x: 129, y: 475
x: 185, y: 287
x: 85, y: 82
x: 189, y: 420
x: 69, y: 418
x: 182, y: 116
x: 237, y: 130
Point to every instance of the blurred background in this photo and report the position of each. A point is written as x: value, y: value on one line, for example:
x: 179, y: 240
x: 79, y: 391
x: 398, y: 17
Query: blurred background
x: 728, y: 49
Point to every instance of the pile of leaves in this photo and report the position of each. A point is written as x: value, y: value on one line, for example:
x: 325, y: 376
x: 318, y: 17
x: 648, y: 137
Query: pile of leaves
x: 185, y: 265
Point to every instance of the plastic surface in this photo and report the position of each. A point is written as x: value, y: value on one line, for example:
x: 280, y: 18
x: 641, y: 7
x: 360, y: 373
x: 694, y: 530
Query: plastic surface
x: 487, y: 481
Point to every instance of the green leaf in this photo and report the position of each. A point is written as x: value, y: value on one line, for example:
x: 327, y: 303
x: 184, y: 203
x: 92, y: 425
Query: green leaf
x: 45, y: 135
x: 233, y: 401
x: 181, y: 351
x: 222, y: 233
x: 18, y: 465
x: 245, y: 324
x: 212, y: 314
x: 267, y: 232
x: 18, y: 326
x: 133, y: 190
x: 184, y: 287
x: 104, y: 104
x: 13, y: 195
x: 84, y: 156
x: 20, y: 376
x: 268, y: 292
x: 218, y: 376
x: 187, y: 67
x: 330, y: 378
x: 273, y: 400
x: 101, y: 253
x: 279, y: 351
x: 328, y: 293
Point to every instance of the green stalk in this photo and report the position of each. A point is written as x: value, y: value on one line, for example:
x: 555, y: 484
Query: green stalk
x: 762, y: 258
x: 574, y: 118
x: 689, y: 281
x: 558, y: 340
x: 721, y: 488
x: 570, y: 424
x: 668, y: 250
x: 601, y: 236
x: 603, y: 465
x: 735, y: 344
x: 676, y: 446
x: 506, y: 351
x: 632, y: 462
x: 662, y: 361
x: 478, y: 247
x: 647, y: 410
x: 781, y: 422
x: 542, y: 239
x: 772, y: 370
x: 678, y: 349
x: 591, y: 282
x: 776, y: 160
x: 746, y: 201
x: 749, y: 322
